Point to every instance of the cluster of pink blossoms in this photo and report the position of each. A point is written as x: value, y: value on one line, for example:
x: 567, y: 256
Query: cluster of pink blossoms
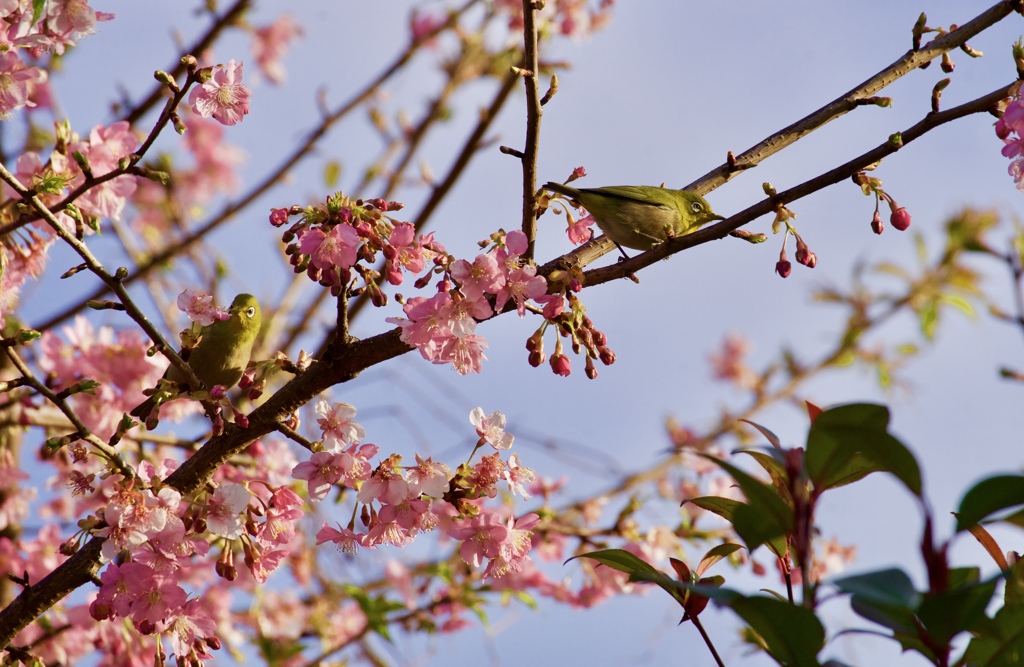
x: 115, y: 366
x: 58, y: 26
x: 443, y: 327
x: 401, y: 502
x: 1010, y: 128
x: 155, y: 538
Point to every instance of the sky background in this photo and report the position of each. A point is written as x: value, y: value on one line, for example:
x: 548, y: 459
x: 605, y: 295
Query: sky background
x: 660, y: 95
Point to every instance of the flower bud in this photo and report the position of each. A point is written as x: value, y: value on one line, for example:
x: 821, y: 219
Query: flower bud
x: 278, y: 216
x: 536, y: 358
x: 877, y: 226
x: 783, y: 268
x: 560, y: 364
x: 900, y: 219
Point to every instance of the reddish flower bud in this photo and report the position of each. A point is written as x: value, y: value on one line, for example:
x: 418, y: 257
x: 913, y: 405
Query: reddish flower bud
x: 877, y: 226
x: 806, y: 257
x: 278, y: 216
x: 536, y: 358
x: 606, y: 355
x: 783, y: 268
x: 900, y: 219
x: 560, y: 364
x: 589, y: 369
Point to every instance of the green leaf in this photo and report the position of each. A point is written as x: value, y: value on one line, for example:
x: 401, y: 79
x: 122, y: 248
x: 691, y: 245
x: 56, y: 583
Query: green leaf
x: 848, y: 442
x: 637, y: 568
x: 716, y: 554
x: 886, y: 597
x: 793, y: 635
x: 772, y: 438
x: 767, y: 516
x: 989, y: 496
x: 958, y: 610
x: 772, y: 462
x: 1001, y: 642
x: 959, y: 303
x: 723, y: 507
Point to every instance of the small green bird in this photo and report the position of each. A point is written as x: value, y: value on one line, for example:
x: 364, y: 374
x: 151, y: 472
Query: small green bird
x: 641, y: 216
x: 222, y: 353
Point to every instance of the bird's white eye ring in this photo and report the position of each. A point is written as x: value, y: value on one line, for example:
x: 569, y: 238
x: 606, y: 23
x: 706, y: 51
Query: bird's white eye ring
x: 696, y: 206
x: 250, y: 312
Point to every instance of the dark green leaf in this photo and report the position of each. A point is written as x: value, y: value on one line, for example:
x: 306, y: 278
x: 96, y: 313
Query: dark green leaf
x: 767, y: 515
x: 793, y: 635
x: 989, y: 496
x: 1001, y: 642
x: 846, y: 443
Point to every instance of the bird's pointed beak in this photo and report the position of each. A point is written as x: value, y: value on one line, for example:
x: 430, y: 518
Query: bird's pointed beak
x: 715, y: 216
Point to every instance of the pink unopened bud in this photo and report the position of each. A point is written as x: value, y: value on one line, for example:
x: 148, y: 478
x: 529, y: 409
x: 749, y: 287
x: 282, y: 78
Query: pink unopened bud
x: 806, y: 257
x: 900, y: 219
x: 560, y: 364
x: 279, y: 216
x: 877, y: 226
x: 783, y: 268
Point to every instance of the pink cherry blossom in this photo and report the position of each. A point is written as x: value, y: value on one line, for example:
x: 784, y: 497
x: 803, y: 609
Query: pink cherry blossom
x: 518, y: 476
x: 522, y: 284
x: 326, y: 251
x: 158, y: 596
x: 15, y: 78
x: 465, y: 353
x: 462, y: 315
x: 428, y: 478
x: 270, y: 43
x: 224, y: 508
x: 385, y: 485
x: 482, y: 276
x: 338, y: 426
x: 321, y: 472
x: 580, y: 231
x: 223, y: 97
x: 343, y: 538
x: 481, y: 537
x: 403, y: 252
x: 189, y: 623
x: 491, y: 428
x: 200, y: 309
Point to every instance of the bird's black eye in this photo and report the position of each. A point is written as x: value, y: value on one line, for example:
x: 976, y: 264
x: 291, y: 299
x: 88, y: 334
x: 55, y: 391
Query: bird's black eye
x: 696, y: 207
x: 250, y: 311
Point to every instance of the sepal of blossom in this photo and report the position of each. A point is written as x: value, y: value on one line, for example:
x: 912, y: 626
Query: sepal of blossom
x: 877, y: 226
x: 900, y: 219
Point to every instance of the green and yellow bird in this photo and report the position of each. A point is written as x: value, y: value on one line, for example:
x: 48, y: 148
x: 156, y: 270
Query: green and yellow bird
x: 641, y: 216
x: 222, y: 353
